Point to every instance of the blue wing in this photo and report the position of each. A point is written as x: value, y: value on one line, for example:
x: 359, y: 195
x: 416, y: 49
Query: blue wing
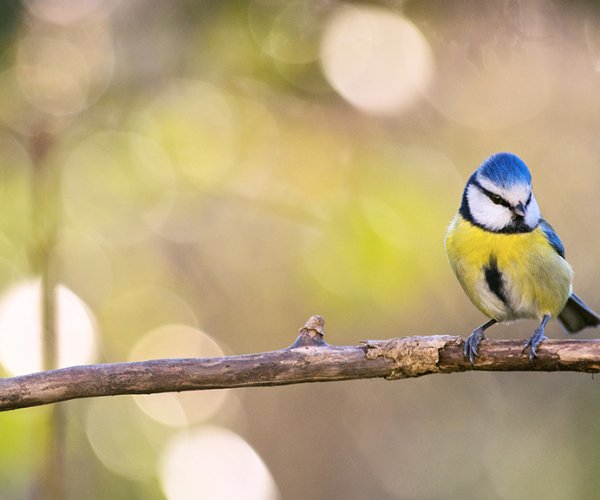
x: 576, y: 315
x: 552, y: 238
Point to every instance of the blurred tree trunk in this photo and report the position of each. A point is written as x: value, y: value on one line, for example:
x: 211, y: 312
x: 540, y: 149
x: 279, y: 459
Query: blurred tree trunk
x: 45, y: 203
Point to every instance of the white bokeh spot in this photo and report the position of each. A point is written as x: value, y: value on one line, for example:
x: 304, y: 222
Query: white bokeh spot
x: 21, y: 330
x: 217, y: 464
x: 376, y: 59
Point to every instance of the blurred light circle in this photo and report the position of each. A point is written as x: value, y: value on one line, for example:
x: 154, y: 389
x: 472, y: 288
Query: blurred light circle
x: 375, y: 59
x: 129, y: 315
x: 64, y: 74
x: 115, y: 431
x: 185, y: 408
x: 16, y: 110
x: 113, y: 181
x: 18, y: 113
x: 195, y: 124
x: 53, y: 75
x: 21, y: 329
x: 287, y: 31
x: 67, y: 12
x: 216, y: 464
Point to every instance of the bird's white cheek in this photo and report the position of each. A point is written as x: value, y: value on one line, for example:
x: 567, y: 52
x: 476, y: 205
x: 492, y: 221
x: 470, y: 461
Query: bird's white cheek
x: 484, y: 212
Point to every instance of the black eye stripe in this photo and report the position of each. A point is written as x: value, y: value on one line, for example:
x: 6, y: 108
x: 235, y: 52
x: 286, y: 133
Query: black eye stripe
x: 498, y: 200
x: 495, y: 198
x: 528, y: 200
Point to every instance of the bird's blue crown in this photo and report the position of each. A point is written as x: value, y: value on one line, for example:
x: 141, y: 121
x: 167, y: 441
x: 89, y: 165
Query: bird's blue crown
x: 505, y: 170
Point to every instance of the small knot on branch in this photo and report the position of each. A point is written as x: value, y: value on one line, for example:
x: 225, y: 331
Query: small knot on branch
x: 311, y: 334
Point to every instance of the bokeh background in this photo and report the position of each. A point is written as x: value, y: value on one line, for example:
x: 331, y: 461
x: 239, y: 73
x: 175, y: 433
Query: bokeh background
x: 187, y: 178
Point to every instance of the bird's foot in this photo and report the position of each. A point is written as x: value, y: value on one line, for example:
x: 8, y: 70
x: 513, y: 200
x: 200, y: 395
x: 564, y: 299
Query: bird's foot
x: 536, y: 339
x: 472, y: 343
x: 533, y: 342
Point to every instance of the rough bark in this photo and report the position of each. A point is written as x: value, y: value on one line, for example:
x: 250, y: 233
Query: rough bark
x: 308, y: 359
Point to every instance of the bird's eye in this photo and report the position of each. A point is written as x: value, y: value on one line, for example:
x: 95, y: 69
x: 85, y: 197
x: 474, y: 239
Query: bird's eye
x: 496, y: 199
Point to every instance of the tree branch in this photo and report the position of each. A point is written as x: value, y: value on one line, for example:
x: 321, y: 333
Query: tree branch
x: 308, y: 359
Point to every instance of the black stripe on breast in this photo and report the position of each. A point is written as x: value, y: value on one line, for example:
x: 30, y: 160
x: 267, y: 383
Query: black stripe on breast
x: 493, y: 278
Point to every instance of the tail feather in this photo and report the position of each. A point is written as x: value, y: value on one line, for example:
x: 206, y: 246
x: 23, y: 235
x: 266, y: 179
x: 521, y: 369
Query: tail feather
x: 576, y: 315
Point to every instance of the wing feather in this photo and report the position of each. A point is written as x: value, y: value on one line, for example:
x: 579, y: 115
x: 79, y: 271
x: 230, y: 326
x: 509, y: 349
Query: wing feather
x: 552, y: 238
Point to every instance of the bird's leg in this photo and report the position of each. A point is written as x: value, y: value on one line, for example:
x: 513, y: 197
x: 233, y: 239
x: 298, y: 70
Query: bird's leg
x: 536, y: 339
x: 473, y: 340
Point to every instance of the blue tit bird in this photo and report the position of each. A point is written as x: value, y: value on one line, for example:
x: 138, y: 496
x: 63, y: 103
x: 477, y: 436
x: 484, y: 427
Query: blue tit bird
x: 507, y: 258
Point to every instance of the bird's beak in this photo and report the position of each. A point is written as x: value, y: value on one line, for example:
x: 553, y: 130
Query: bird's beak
x: 519, y: 210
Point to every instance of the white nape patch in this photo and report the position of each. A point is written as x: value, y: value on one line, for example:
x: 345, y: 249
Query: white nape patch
x: 485, y: 212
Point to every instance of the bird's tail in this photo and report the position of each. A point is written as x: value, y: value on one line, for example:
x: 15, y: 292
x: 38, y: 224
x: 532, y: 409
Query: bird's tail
x: 576, y: 315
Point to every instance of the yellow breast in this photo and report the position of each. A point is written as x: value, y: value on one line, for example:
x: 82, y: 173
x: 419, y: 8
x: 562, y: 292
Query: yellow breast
x: 534, y: 279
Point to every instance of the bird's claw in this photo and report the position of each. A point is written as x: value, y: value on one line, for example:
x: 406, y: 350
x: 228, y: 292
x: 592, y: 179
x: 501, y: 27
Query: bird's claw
x: 533, y: 342
x: 472, y: 343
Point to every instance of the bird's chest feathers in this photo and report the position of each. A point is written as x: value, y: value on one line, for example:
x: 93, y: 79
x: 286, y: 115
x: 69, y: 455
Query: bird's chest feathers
x: 508, y: 276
